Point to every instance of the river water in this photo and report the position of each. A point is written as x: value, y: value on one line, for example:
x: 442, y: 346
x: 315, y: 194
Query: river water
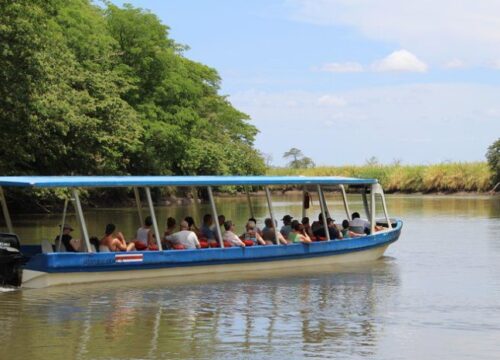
x: 436, y: 294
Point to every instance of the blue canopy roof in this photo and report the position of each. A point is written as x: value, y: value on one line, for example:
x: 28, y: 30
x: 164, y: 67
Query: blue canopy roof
x: 140, y: 181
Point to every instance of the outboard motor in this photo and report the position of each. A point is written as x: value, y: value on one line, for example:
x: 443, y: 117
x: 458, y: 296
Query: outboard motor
x: 11, y: 260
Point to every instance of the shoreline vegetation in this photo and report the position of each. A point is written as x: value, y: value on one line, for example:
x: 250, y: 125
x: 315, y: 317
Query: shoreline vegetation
x: 474, y: 177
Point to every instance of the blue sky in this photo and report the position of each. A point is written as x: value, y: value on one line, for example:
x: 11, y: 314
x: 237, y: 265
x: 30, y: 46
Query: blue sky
x: 417, y: 82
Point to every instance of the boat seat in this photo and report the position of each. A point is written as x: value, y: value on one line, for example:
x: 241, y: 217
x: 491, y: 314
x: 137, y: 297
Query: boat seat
x: 139, y: 245
x: 104, y: 248
x: 204, y: 244
x: 47, y: 247
x: 217, y: 245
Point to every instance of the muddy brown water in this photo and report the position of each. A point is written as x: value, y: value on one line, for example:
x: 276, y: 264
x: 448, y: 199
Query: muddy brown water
x: 435, y: 294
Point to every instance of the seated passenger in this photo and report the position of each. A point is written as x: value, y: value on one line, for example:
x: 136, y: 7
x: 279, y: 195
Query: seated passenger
x: 170, y: 227
x: 70, y: 244
x: 221, y: 219
x: 269, y: 234
x: 361, y: 226
x: 259, y: 231
x: 192, y: 225
x: 251, y: 234
x: 94, y: 240
x: 358, y: 225
x: 115, y: 242
x: 287, y: 226
x: 332, y: 230
x: 316, y: 225
x: 299, y: 234
x: 144, y: 238
x: 346, y: 233
x: 230, y: 236
x: 307, y: 226
x: 184, y: 237
x: 206, y: 229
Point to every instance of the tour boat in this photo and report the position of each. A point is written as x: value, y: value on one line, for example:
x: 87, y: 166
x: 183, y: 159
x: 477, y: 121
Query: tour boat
x: 36, y: 266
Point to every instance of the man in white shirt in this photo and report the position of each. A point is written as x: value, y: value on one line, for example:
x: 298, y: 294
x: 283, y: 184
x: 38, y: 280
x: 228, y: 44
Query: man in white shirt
x: 184, y: 237
x: 358, y: 225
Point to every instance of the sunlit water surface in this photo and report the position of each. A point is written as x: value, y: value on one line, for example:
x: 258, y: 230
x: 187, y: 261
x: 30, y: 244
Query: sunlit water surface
x: 436, y: 294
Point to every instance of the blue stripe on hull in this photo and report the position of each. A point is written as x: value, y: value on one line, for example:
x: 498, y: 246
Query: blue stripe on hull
x: 95, y: 262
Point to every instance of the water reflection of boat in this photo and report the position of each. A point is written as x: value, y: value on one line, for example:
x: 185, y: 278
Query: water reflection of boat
x: 54, y: 268
x: 315, y: 314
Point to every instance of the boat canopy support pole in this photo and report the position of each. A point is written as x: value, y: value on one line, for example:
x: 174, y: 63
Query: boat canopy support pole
x: 372, y: 214
x: 365, y: 204
x: 270, y: 206
x: 196, y: 204
x: 323, y: 211
x: 377, y: 189
x: 138, y: 204
x: 215, y: 216
x: 304, y: 202
x: 63, y: 221
x: 81, y: 219
x: 5, y: 211
x: 327, y: 212
x: 250, y: 205
x: 153, y: 217
x: 346, y: 204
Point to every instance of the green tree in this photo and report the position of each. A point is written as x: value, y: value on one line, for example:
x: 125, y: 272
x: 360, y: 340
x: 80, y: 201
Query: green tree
x: 493, y: 156
x: 188, y: 127
x: 306, y: 163
x: 60, y: 110
x: 373, y: 161
x: 299, y: 161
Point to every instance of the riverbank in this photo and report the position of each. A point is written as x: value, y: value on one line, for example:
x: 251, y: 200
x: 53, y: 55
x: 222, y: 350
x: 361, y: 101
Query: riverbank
x: 475, y: 177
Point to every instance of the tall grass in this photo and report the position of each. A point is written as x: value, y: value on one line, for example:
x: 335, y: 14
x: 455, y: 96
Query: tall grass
x: 446, y: 177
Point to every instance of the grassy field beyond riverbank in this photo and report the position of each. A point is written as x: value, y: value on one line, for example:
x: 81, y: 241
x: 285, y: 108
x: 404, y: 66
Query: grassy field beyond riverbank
x: 448, y: 177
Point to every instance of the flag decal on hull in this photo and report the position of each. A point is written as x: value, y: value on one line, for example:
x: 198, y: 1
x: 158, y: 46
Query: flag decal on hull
x: 128, y: 258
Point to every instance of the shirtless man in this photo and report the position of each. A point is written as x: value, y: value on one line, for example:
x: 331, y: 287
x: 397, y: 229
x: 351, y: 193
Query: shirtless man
x: 115, y: 242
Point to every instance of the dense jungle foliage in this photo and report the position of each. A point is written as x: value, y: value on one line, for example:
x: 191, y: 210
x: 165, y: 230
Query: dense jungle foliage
x: 93, y: 90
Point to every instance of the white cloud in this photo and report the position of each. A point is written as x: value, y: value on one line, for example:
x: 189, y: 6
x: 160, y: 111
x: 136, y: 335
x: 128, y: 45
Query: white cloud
x: 454, y: 64
x: 436, y: 30
x: 401, y: 60
x: 332, y: 100
x: 348, y: 67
